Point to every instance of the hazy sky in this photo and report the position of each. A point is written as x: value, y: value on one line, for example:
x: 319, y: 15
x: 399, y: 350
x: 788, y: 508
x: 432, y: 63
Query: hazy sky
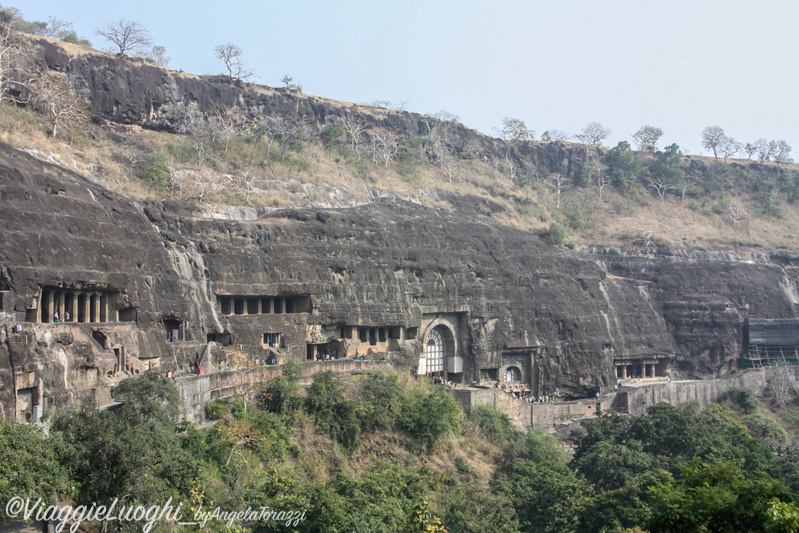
x: 679, y: 65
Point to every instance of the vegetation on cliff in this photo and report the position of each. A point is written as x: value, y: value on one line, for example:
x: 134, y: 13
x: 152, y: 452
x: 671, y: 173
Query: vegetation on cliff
x: 313, y: 151
x: 384, y: 452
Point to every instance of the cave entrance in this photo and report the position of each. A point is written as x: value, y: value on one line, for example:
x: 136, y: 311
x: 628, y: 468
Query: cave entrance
x: 101, y: 339
x: 225, y: 339
x: 172, y: 326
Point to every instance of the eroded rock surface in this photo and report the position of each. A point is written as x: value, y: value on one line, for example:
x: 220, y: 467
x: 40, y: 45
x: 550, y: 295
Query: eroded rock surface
x: 372, y: 281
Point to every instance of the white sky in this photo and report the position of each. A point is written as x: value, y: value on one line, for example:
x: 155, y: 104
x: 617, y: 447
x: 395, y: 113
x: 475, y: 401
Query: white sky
x: 679, y: 65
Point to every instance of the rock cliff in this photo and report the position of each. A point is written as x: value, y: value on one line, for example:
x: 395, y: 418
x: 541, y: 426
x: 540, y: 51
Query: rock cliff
x: 131, y: 91
x: 157, y: 284
x: 95, y: 286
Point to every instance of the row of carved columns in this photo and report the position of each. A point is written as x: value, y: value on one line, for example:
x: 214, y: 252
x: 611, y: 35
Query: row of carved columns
x: 77, y: 306
x: 255, y: 306
x: 636, y: 371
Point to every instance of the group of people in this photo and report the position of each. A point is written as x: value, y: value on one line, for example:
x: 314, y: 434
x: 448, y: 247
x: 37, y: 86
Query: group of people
x: 528, y: 398
x: 441, y: 381
x: 57, y: 318
x: 325, y: 357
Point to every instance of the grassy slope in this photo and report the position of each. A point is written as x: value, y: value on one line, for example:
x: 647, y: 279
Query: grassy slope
x: 312, y: 174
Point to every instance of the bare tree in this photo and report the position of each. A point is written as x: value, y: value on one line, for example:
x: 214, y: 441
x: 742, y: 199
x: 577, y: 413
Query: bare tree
x: 202, y: 182
x: 593, y: 134
x: 713, y: 138
x: 158, y: 56
x: 230, y: 55
x: 268, y: 128
x: 229, y: 121
x: 131, y: 152
x: 438, y: 125
x: 55, y: 28
x: 386, y: 143
x: 200, y: 138
x: 661, y: 185
x: 59, y: 102
x: 781, y: 152
x: 512, y: 168
x: 729, y: 148
x: 764, y: 149
x: 447, y: 164
x: 250, y: 377
x: 736, y: 213
x: 8, y: 49
x: 559, y: 182
x: 601, y: 179
x: 285, y: 132
x: 647, y: 137
x: 555, y: 136
x: 782, y: 381
x: 246, y: 185
x: 355, y: 128
x: 128, y: 36
x: 645, y: 236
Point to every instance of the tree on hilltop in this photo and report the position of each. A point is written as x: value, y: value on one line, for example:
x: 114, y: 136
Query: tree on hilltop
x: 128, y: 36
x: 230, y: 55
x: 647, y: 137
x: 555, y: 136
x: 713, y: 137
x: 515, y: 130
x: 593, y: 134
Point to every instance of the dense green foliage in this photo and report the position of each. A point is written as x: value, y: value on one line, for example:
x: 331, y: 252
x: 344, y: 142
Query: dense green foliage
x: 30, y: 466
x: 672, y: 470
x: 156, y: 171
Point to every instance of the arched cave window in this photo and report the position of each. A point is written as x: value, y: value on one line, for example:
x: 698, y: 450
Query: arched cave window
x: 513, y: 374
x: 434, y: 352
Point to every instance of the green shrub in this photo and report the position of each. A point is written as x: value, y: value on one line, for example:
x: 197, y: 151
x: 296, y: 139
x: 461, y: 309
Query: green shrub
x: 765, y: 428
x: 740, y: 399
x: 334, y: 413
x: 156, y: 171
x: 216, y: 409
x: 496, y: 426
x: 556, y: 234
x: 429, y: 417
x: 333, y: 136
x: 379, y: 401
x: 462, y: 466
x: 280, y: 395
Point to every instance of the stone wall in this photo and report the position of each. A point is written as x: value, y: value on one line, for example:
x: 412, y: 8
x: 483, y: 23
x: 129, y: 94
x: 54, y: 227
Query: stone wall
x: 525, y: 415
x: 634, y: 399
x: 196, y: 391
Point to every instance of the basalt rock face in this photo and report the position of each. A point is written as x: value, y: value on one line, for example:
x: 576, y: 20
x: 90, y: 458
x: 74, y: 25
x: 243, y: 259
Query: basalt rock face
x: 130, y: 91
x: 371, y: 281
